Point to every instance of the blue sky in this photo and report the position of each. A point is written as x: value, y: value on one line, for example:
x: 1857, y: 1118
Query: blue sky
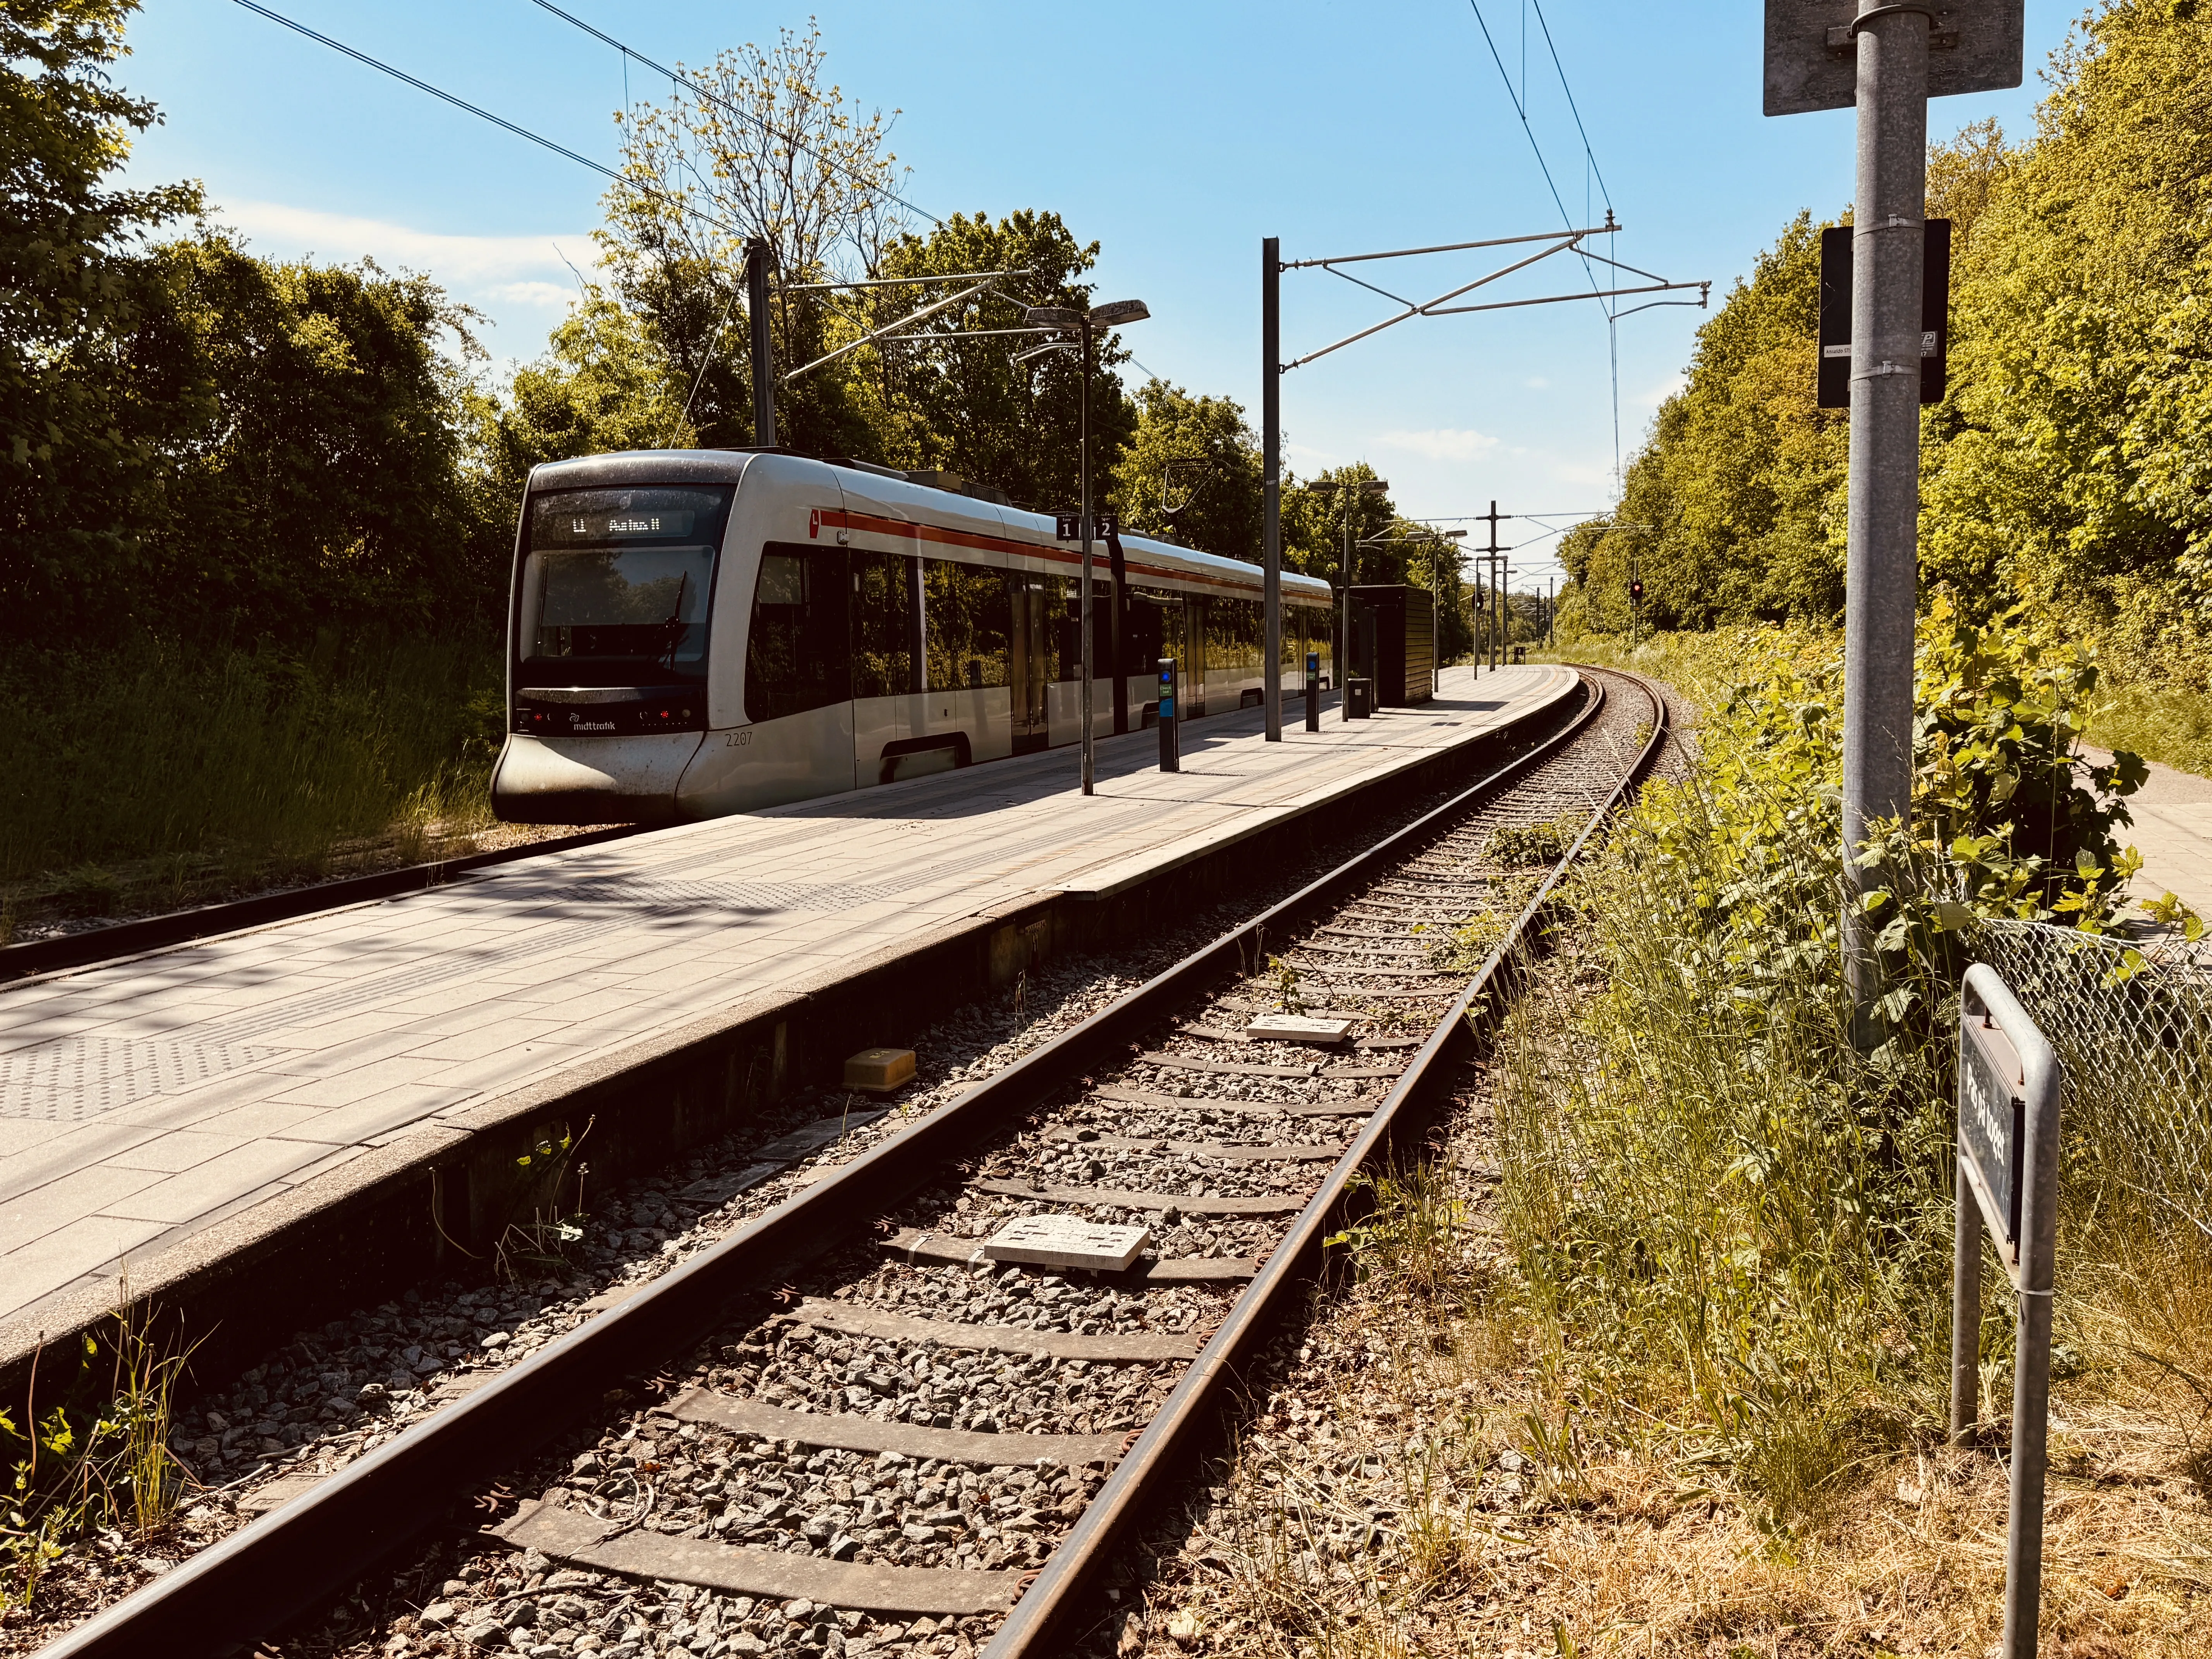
x: 1176, y: 134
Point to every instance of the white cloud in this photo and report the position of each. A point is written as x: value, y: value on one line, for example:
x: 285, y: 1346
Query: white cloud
x: 531, y: 294
x: 459, y: 262
x: 1441, y: 443
x: 1537, y: 383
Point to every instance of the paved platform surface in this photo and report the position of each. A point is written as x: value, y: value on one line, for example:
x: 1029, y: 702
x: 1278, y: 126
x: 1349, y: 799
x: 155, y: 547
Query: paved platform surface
x: 2173, y: 830
x: 143, y: 1100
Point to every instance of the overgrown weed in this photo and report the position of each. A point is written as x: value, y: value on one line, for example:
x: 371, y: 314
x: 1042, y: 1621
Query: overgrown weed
x: 100, y: 1458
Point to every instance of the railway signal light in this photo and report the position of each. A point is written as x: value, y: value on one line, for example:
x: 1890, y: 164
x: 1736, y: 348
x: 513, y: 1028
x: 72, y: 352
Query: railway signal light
x: 1636, y: 591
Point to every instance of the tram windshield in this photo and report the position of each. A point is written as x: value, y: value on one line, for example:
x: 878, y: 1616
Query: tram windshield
x: 615, y: 583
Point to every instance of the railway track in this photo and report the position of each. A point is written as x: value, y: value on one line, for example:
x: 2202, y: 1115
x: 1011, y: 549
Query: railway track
x: 871, y: 1436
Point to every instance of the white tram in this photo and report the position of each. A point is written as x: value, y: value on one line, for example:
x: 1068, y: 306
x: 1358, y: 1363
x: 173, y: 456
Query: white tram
x: 695, y: 632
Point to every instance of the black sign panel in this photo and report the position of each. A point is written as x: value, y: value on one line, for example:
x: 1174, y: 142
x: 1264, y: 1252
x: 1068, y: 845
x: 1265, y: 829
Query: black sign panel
x: 1835, y: 371
x: 1991, y: 1128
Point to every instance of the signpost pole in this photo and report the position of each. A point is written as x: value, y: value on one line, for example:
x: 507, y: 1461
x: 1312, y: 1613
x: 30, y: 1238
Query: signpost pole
x: 1271, y: 501
x: 1883, y: 503
x: 758, y: 256
x: 2007, y: 1151
x: 1965, y: 1312
x: 1083, y: 468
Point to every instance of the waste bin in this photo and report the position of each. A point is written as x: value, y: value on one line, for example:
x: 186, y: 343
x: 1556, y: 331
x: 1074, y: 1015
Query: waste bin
x: 1358, y: 698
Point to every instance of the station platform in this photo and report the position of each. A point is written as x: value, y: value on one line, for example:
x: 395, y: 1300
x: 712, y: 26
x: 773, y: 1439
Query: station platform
x: 153, y: 1107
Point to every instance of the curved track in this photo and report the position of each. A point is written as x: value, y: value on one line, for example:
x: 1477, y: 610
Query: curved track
x: 882, y: 1428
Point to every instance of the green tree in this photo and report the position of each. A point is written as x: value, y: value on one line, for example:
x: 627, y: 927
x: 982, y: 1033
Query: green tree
x: 1732, y: 510
x: 1314, y: 523
x: 82, y: 416
x: 767, y: 149
x: 1191, y: 474
x: 955, y: 396
x: 2075, y: 473
x: 603, y: 384
x: 323, y: 483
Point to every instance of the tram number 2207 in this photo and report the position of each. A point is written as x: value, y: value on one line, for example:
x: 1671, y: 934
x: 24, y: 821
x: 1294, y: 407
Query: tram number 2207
x: 739, y: 739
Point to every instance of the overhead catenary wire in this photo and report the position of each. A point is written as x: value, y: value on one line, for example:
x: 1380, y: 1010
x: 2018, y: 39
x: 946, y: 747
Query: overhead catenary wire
x: 481, y: 113
x: 1520, y: 102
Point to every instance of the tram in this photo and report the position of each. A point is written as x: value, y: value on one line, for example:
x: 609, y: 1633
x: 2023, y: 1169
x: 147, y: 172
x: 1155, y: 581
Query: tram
x: 696, y: 632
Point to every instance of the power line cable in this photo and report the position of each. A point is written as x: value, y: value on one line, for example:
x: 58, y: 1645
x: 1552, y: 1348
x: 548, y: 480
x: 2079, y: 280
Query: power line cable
x: 1520, y: 103
x: 704, y: 91
x: 1573, y: 109
x: 500, y: 121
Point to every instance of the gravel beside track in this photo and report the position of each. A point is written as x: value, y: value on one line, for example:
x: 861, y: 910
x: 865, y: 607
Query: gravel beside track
x: 900, y: 1339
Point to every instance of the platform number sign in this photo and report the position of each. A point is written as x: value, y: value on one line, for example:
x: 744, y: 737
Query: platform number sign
x: 1068, y: 527
x: 2008, y: 1153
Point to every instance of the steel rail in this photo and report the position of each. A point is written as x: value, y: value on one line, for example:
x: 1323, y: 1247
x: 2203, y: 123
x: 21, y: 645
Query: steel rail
x: 130, y: 938
x: 236, y: 1591
x: 1044, y: 1622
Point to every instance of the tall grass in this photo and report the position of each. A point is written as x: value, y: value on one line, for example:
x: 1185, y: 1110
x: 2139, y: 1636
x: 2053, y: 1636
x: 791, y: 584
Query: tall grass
x: 163, y: 769
x: 1739, y: 1222
x: 1728, y: 1208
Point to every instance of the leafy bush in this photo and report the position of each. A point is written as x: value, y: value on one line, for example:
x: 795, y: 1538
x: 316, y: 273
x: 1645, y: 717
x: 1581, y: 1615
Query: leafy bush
x: 1740, y: 1205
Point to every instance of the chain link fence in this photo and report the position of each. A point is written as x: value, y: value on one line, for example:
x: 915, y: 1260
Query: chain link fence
x: 2132, y: 1024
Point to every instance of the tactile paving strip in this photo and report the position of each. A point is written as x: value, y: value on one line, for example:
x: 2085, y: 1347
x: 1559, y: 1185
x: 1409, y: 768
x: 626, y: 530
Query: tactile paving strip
x: 74, y: 1078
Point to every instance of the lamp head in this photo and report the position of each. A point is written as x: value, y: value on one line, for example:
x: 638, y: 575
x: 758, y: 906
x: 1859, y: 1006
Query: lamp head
x: 1052, y: 317
x: 1114, y: 313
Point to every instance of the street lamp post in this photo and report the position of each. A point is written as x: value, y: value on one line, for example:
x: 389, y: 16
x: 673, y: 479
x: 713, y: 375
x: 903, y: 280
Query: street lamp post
x: 1087, y: 324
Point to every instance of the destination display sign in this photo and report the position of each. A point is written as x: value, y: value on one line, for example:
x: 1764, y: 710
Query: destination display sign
x: 617, y: 526
x: 602, y: 518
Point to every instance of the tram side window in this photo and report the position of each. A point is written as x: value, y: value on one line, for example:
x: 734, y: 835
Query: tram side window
x: 1232, y: 637
x: 799, y: 652
x: 883, y: 625
x: 970, y: 614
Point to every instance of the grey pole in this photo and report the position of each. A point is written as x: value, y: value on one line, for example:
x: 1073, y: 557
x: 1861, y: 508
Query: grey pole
x: 1083, y: 467
x: 1887, y: 239
x: 1965, y: 1309
x: 763, y: 349
x: 1349, y: 493
x: 2031, y: 1390
x: 1271, y: 520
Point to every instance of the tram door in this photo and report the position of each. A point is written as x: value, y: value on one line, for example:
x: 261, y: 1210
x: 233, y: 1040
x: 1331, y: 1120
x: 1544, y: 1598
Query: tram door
x: 1031, y: 651
x: 1194, y: 657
